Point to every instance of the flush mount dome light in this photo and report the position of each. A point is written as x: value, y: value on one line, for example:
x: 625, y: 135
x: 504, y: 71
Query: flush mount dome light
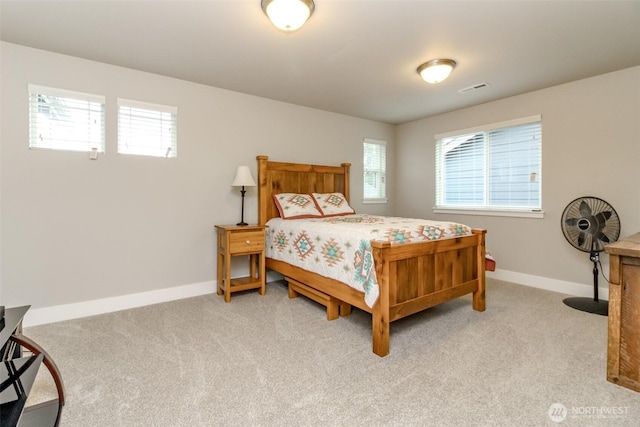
x: 436, y: 70
x: 288, y: 15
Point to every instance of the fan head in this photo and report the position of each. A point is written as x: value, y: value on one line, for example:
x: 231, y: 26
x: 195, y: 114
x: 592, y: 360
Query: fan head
x: 590, y: 223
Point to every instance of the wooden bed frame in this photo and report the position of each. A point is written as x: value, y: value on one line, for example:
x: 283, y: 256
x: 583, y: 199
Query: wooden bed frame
x: 412, y: 277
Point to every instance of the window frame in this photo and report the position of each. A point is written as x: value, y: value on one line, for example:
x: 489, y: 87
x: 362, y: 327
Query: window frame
x: 382, y: 198
x: 97, y: 141
x: 154, y: 109
x: 486, y: 209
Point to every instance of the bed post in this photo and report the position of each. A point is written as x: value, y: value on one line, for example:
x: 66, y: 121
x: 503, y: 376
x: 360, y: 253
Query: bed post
x: 347, y: 180
x: 479, y: 295
x: 380, y: 314
x: 262, y: 187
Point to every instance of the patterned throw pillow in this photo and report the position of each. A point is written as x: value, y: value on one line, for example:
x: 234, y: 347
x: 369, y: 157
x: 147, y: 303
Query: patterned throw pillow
x: 293, y: 205
x: 332, y: 204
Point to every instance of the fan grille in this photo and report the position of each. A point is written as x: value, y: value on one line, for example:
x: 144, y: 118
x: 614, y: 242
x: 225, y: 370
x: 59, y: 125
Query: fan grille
x: 590, y: 223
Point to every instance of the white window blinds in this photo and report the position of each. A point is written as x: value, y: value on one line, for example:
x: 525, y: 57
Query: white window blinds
x: 147, y: 129
x: 494, y: 167
x: 65, y: 120
x: 375, y: 170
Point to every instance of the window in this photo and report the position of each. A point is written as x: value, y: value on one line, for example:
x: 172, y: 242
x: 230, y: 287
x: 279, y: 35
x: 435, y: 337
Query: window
x: 375, y: 170
x: 65, y: 120
x: 495, y: 167
x: 147, y: 129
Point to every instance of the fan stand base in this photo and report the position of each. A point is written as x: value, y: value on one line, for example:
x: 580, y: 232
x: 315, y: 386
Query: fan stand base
x: 589, y: 305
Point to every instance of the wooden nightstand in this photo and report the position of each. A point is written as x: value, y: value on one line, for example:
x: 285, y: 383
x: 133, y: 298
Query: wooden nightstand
x: 236, y: 240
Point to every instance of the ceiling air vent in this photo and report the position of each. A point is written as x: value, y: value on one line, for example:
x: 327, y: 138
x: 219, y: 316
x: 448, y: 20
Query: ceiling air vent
x: 474, y: 87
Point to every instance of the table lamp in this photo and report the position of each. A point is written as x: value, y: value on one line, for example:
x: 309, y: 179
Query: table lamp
x: 243, y: 179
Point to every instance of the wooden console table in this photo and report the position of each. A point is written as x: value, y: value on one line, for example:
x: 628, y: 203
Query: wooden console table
x: 623, y: 349
x: 18, y: 373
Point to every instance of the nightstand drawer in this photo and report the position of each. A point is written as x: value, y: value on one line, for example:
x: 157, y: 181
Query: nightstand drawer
x: 247, y: 241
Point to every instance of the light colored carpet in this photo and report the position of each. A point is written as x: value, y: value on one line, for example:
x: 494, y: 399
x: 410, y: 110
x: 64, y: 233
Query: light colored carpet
x: 267, y: 361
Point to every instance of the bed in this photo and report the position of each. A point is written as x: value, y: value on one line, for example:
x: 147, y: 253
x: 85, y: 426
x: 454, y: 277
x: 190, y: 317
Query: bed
x: 411, y: 277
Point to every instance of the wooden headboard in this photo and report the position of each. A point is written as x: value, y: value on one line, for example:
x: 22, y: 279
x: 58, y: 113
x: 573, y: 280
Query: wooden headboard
x: 280, y: 177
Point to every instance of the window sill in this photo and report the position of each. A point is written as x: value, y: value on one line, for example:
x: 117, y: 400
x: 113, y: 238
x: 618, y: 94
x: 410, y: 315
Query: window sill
x: 491, y: 212
x: 374, y: 201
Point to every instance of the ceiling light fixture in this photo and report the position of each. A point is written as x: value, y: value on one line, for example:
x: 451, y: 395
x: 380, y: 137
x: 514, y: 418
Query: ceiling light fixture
x: 436, y: 70
x: 288, y: 15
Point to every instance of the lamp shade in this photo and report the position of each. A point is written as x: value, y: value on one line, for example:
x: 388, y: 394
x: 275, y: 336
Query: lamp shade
x: 243, y: 178
x: 288, y: 15
x: 436, y: 70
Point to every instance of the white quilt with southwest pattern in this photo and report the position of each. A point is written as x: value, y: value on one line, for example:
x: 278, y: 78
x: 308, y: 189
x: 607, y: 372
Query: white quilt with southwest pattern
x: 340, y: 248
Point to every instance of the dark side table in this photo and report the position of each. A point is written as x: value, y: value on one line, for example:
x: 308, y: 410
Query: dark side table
x: 18, y: 373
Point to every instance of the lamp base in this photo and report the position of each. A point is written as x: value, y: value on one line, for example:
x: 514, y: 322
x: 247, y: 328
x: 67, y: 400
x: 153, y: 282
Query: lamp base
x: 242, y: 223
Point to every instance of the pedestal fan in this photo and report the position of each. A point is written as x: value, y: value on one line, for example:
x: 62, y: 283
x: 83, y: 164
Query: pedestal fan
x: 589, y: 223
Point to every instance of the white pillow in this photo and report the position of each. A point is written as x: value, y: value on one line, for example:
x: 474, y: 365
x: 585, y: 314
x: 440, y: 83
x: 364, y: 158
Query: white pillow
x: 332, y: 204
x: 296, y: 205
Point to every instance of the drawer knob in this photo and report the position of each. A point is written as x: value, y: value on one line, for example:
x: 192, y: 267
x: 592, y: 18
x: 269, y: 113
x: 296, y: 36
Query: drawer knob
x: 248, y: 242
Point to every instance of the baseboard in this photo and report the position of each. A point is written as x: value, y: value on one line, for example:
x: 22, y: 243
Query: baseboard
x: 39, y: 316
x: 560, y: 286
x: 59, y: 313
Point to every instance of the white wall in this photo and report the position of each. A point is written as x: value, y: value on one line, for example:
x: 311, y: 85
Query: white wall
x: 590, y: 147
x: 77, y: 230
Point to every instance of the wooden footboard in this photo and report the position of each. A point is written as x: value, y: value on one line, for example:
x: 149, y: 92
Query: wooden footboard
x: 417, y: 276
x: 411, y: 277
